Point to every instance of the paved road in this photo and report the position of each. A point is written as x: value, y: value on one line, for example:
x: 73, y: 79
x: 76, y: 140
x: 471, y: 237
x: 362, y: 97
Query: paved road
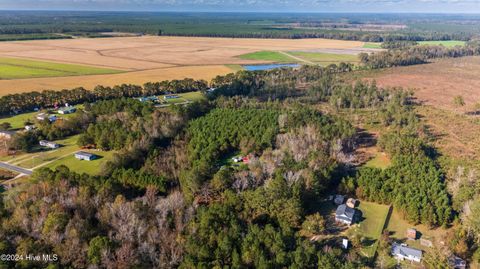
x: 15, y: 168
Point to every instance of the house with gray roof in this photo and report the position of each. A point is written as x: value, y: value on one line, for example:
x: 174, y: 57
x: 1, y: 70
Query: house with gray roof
x: 345, y: 214
x: 86, y: 156
x: 403, y: 252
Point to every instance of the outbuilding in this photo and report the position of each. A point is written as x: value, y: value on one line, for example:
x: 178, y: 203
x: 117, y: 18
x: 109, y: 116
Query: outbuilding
x: 49, y: 144
x: 86, y: 156
x: 67, y: 110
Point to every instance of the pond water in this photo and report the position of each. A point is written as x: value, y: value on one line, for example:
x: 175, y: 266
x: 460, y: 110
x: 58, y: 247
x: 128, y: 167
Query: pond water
x: 268, y: 66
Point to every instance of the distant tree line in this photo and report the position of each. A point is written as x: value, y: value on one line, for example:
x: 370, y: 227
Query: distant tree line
x: 412, y: 55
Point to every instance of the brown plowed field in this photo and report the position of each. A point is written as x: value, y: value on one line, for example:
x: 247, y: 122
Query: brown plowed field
x: 151, y: 58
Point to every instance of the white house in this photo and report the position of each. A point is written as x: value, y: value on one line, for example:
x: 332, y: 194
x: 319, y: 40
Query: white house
x: 403, y: 252
x: 86, y: 156
x: 30, y: 127
x: 49, y: 144
x: 67, y: 110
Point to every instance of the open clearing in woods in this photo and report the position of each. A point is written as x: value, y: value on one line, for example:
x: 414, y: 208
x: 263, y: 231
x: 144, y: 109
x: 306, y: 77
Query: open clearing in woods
x: 436, y: 85
x: 149, y: 58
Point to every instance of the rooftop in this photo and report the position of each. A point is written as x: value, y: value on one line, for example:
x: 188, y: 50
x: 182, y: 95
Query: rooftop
x: 398, y: 249
x: 84, y: 153
x: 343, y: 211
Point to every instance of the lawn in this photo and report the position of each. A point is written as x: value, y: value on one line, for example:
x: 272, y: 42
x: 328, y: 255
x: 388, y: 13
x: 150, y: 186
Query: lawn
x: 183, y: 97
x: 13, y: 68
x: 446, y: 43
x: 372, y: 45
x: 18, y: 121
x: 380, y: 160
x: 272, y: 56
x: 69, y: 146
x: 325, y: 58
x: 371, y: 227
x: 89, y: 167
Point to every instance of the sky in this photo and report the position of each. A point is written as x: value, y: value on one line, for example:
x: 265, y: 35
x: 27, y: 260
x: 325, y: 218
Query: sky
x: 361, y: 6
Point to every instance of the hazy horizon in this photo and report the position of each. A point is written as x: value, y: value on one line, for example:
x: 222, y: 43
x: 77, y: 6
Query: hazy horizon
x: 274, y: 6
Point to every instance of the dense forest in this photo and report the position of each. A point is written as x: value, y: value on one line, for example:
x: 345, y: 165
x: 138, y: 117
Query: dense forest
x: 403, y: 54
x: 18, y: 25
x: 171, y: 197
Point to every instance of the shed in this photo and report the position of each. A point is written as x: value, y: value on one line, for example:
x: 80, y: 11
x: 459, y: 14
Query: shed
x: 352, y: 203
x: 166, y: 97
x: 412, y: 234
x: 86, y: 156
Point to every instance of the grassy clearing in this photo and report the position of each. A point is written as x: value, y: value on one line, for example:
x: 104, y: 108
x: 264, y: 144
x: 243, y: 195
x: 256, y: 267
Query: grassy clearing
x: 234, y: 67
x: 18, y: 121
x: 69, y: 146
x: 13, y: 68
x: 446, y: 43
x: 183, y: 98
x: 371, y: 228
x: 272, y: 56
x: 380, y: 160
x: 88, y: 167
x: 325, y: 58
x: 398, y: 226
x: 372, y: 45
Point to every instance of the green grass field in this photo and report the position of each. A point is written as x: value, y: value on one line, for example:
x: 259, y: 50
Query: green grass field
x: 13, y: 68
x: 325, y: 58
x: 371, y: 228
x: 69, y: 146
x: 372, y: 45
x: 18, y: 121
x: 272, y: 56
x: 89, y: 167
x: 234, y: 67
x: 446, y: 43
x: 183, y: 98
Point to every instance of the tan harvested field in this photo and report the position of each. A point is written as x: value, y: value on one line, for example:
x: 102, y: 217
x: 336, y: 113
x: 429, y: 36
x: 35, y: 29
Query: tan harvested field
x: 149, y: 58
x: 148, y: 52
x: 89, y: 82
x: 438, y: 83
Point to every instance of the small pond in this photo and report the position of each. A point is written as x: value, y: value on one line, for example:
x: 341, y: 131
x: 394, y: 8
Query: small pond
x: 268, y: 66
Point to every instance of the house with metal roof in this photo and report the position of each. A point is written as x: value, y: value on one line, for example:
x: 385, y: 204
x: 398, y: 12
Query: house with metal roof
x: 345, y: 214
x: 403, y: 252
x: 67, y: 110
x: 49, y: 144
x: 86, y: 156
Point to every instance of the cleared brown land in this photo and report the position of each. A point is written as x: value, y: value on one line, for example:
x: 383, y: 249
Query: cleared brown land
x: 148, y: 52
x: 457, y: 129
x: 438, y: 83
x: 89, y: 82
x: 148, y: 58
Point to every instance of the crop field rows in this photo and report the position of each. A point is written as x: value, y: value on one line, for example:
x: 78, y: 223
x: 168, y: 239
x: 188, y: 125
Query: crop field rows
x: 47, y: 64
